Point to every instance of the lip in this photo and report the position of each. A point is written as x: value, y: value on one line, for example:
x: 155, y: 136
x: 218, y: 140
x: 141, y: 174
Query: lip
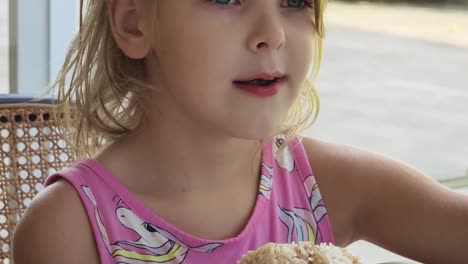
x: 262, y: 75
x: 262, y: 91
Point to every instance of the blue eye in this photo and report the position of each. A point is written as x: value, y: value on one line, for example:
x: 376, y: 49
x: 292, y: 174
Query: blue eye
x: 295, y: 4
x: 222, y: 2
x: 299, y: 3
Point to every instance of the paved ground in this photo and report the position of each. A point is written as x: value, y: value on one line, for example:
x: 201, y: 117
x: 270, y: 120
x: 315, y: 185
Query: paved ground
x: 401, y: 95
x: 447, y: 25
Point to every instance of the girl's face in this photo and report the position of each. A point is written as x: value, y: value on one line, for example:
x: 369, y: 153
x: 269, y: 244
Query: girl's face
x: 203, y: 46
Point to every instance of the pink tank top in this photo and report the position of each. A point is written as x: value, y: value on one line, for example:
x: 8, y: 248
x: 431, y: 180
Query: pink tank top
x: 289, y: 208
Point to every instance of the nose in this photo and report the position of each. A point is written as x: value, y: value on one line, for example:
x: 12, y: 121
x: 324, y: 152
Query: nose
x: 267, y: 34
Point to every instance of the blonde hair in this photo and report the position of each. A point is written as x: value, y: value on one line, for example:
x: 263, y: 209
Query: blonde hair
x: 101, y: 91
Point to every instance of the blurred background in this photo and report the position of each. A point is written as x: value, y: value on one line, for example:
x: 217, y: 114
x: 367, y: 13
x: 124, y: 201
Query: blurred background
x: 394, y: 78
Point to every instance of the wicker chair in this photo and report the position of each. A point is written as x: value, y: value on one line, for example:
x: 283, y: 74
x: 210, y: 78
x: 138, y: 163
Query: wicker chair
x: 30, y: 150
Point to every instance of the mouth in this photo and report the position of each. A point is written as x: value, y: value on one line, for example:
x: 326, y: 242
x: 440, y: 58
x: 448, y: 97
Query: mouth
x: 259, y: 82
x: 261, y: 85
x: 261, y: 79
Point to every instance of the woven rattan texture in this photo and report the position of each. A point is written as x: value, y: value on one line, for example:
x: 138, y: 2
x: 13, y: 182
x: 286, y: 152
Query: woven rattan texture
x: 31, y: 149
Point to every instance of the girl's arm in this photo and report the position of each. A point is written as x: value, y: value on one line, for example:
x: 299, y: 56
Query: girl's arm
x: 393, y: 205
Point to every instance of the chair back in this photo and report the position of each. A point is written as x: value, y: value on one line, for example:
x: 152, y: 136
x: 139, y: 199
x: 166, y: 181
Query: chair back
x: 30, y: 149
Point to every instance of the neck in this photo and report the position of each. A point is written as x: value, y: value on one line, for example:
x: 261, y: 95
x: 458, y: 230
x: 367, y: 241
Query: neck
x: 183, y: 160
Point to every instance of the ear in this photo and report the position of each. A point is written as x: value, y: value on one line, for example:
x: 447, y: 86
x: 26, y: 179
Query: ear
x: 127, y: 24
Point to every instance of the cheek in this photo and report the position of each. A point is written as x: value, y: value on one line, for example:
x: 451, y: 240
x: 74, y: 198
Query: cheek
x: 195, y: 56
x: 300, y: 62
x: 301, y: 42
x: 304, y: 51
x: 192, y: 71
x: 177, y: 66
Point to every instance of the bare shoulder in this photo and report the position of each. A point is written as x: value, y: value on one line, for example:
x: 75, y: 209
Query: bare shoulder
x: 351, y: 163
x: 55, y: 229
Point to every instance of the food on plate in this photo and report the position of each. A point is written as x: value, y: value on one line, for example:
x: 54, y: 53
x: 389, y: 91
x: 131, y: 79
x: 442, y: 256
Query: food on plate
x: 299, y: 253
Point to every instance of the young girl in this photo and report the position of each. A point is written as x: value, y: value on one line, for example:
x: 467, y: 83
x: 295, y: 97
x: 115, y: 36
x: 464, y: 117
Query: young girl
x: 189, y: 111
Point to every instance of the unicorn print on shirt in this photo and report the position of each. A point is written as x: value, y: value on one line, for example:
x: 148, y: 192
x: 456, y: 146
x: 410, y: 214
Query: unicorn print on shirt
x: 153, y: 245
x: 284, y: 158
x: 266, y: 181
x: 302, y: 224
